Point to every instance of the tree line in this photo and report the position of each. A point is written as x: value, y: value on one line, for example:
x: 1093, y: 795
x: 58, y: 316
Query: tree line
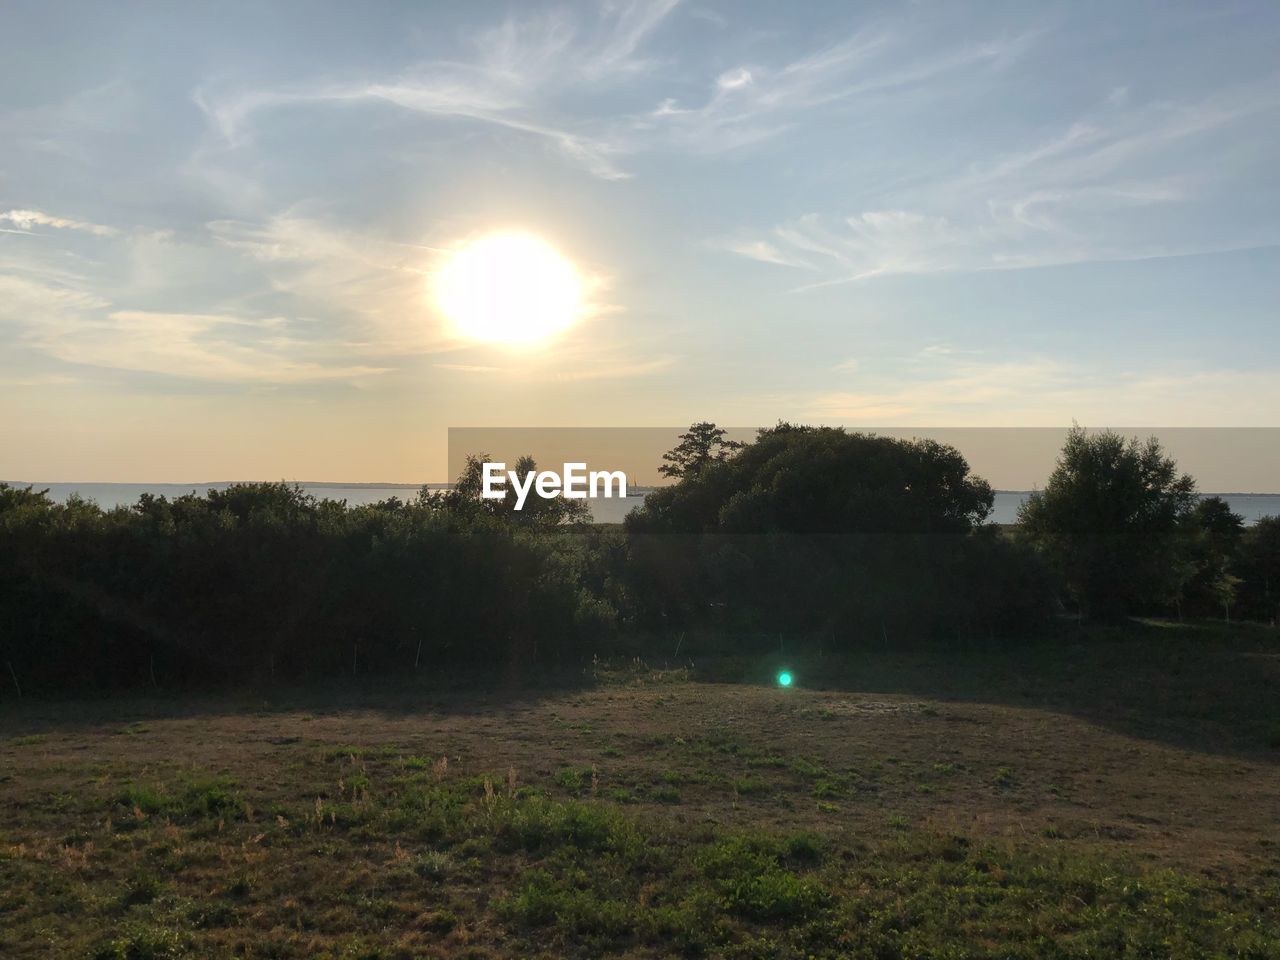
x: 812, y: 531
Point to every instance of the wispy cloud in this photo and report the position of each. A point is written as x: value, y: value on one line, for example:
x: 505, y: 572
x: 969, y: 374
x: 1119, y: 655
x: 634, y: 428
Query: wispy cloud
x: 372, y: 288
x: 528, y: 75
x: 469, y: 367
x: 942, y: 387
x: 82, y: 328
x: 38, y: 380
x: 516, y: 67
x: 25, y: 220
x: 1088, y: 193
x: 755, y: 102
x: 766, y: 252
x: 220, y: 348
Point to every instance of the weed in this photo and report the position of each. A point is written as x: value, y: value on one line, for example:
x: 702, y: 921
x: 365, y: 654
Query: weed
x: 805, y: 847
x: 438, y: 921
x: 574, y: 779
x: 240, y: 886
x: 140, y: 889
x: 143, y: 941
x: 433, y: 865
x: 145, y: 799
x: 806, y: 769
x: 747, y: 871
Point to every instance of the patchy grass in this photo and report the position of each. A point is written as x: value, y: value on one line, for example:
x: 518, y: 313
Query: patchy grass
x: 583, y: 879
x: 654, y: 817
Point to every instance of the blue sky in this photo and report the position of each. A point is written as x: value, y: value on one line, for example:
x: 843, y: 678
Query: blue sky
x: 217, y: 224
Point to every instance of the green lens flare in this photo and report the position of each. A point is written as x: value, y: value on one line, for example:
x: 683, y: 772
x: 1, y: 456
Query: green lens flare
x: 784, y: 679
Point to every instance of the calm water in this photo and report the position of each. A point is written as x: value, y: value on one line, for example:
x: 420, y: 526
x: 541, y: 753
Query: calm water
x: 1251, y: 506
x: 108, y: 495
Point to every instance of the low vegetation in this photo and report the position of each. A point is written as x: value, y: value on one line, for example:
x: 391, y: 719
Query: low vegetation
x: 825, y: 536
x: 971, y: 811
x: 983, y: 754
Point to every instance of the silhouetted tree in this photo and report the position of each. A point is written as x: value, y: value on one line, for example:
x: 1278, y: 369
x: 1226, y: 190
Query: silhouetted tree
x: 537, y: 511
x: 701, y: 444
x: 816, y: 529
x: 800, y: 479
x: 1259, y: 569
x: 264, y: 581
x: 1215, y: 534
x: 1114, y: 521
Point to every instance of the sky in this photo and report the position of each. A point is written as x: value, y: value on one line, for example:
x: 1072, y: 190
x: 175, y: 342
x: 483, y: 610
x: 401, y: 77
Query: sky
x: 219, y: 222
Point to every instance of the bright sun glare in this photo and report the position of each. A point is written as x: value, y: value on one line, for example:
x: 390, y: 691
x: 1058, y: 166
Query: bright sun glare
x: 510, y: 288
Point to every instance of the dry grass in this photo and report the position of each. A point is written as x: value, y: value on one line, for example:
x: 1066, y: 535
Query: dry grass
x: 383, y: 826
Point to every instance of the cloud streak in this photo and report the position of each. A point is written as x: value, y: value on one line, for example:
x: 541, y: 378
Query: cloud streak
x: 85, y: 329
x: 517, y: 67
x: 942, y: 388
x: 25, y: 220
x: 527, y: 75
x: 1082, y: 195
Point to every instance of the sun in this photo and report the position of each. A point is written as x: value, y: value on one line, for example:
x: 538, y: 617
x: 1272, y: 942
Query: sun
x: 508, y: 288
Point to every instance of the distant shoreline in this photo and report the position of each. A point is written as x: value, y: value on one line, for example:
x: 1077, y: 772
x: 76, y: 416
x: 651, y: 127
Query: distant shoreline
x: 339, y: 485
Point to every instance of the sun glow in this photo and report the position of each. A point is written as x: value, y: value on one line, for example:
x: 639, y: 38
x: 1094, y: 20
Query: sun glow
x: 509, y: 288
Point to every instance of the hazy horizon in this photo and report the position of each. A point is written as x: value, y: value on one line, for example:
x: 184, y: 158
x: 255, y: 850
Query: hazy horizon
x: 439, y: 484
x: 1221, y: 460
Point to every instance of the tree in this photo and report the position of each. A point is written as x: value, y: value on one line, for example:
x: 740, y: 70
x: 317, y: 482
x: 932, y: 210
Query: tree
x: 262, y: 581
x: 820, y: 531
x: 465, y: 497
x: 1259, y: 568
x: 701, y: 444
x: 1215, y: 536
x: 800, y: 479
x: 1114, y: 520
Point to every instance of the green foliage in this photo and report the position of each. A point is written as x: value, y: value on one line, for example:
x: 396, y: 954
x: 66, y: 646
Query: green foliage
x: 664, y: 794
x: 748, y: 872
x: 210, y: 797
x: 143, y: 941
x: 822, y: 480
x: 841, y: 538
x: 575, y: 779
x: 1114, y: 519
x: 262, y: 581
x: 1259, y: 569
x: 141, y: 888
x: 465, y: 498
x: 1215, y: 537
x: 816, y: 530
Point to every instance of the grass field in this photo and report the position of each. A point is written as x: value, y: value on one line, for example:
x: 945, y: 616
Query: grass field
x: 1102, y: 795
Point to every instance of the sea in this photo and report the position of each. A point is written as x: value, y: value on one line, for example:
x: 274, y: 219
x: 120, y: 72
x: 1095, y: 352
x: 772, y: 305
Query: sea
x: 1250, y: 506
